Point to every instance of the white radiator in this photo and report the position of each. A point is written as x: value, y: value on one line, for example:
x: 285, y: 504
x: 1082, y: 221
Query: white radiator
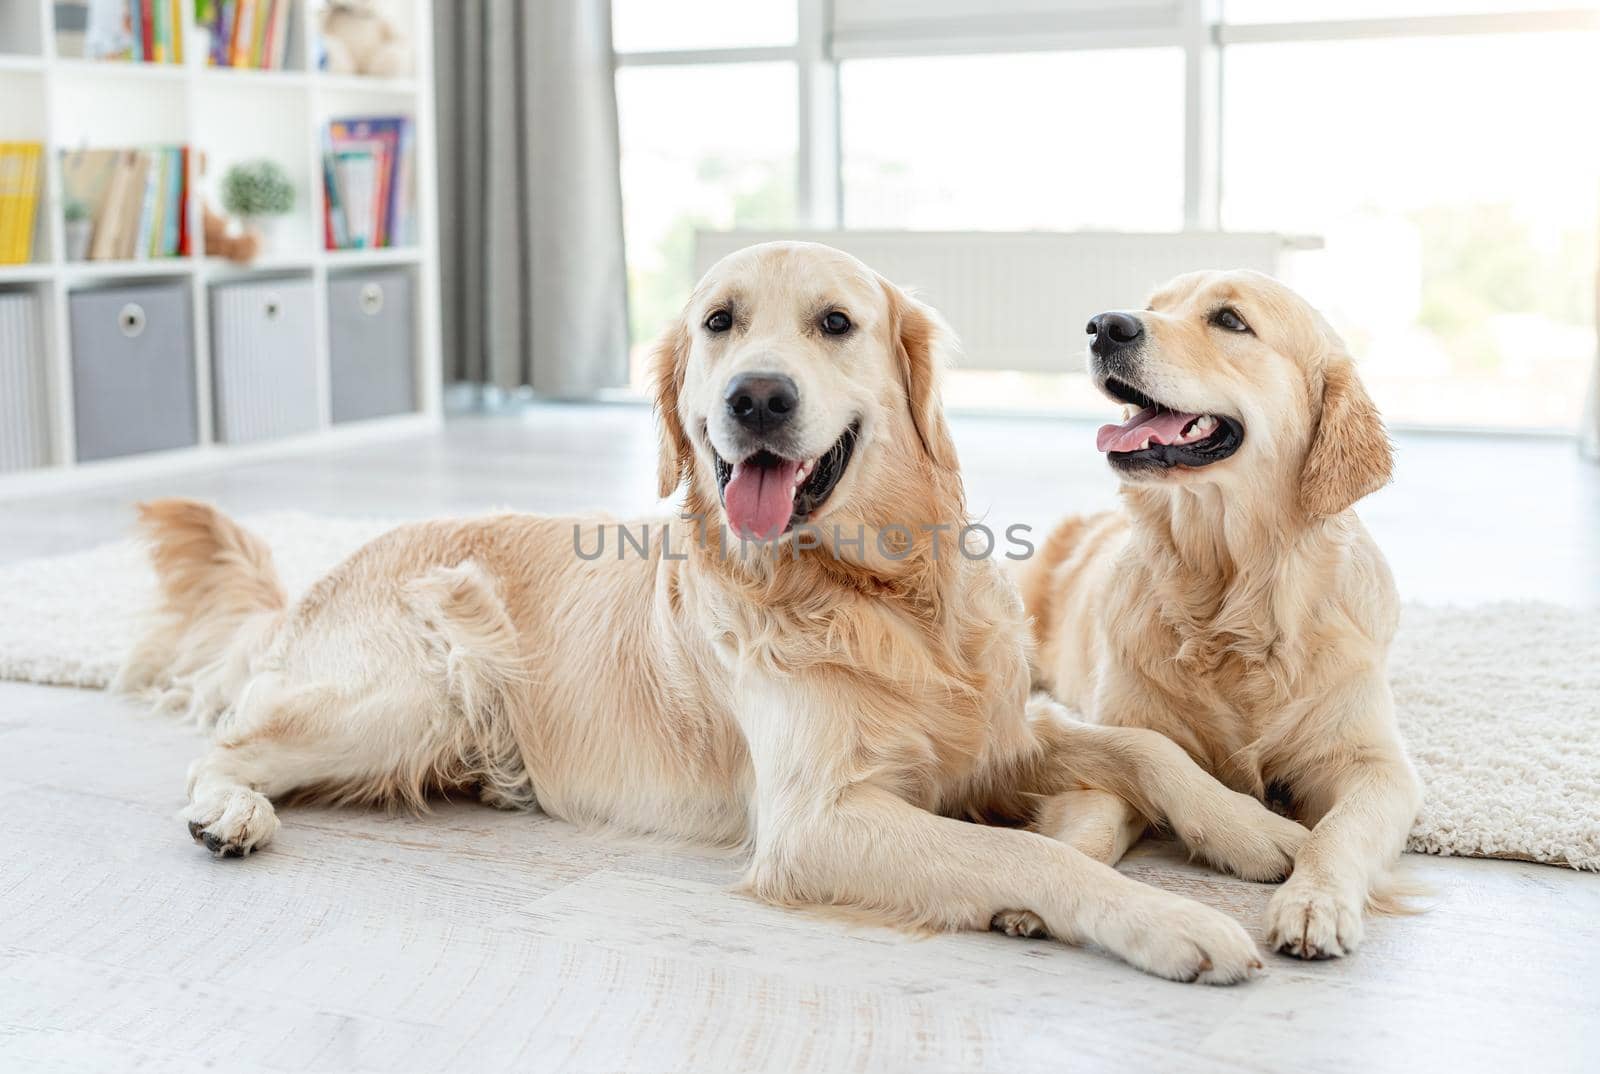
x: 1020, y: 300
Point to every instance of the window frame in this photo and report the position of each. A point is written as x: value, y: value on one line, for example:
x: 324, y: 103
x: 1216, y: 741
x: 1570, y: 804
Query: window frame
x: 1201, y: 30
x: 819, y: 193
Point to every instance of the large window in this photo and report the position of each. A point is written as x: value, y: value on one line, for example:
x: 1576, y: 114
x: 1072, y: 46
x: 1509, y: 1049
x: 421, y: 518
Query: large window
x: 1457, y: 201
x: 1440, y: 150
x: 1014, y: 142
x: 687, y: 166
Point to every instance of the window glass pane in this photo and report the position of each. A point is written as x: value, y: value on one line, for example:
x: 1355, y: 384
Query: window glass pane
x: 663, y: 25
x: 701, y: 147
x: 1456, y: 185
x: 1015, y: 142
x: 1320, y: 10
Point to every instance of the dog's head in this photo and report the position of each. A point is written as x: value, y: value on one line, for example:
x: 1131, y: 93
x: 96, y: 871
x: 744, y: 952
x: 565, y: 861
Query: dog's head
x: 798, y: 384
x: 1232, y: 378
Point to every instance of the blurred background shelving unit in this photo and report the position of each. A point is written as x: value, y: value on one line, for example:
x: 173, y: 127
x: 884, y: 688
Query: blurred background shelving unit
x: 224, y: 115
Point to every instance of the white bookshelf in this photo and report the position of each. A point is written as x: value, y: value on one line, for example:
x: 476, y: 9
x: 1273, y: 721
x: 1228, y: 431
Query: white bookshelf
x: 228, y: 115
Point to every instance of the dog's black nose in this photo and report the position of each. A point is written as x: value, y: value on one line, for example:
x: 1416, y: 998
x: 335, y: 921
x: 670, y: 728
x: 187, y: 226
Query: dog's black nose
x: 762, y: 402
x: 1113, y: 331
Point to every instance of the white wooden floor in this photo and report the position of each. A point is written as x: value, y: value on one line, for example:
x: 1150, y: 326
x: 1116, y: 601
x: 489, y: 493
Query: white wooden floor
x: 472, y: 939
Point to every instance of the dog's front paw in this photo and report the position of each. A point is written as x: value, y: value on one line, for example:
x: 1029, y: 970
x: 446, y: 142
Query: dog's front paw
x: 1252, y: 843
x: 231, y: 823
x: 1310, y: 921
x: 1184, y: 940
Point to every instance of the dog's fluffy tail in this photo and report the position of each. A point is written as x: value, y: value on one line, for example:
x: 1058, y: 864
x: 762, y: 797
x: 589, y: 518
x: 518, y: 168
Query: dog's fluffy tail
x: 220, y: 601
x: 1397, y: 894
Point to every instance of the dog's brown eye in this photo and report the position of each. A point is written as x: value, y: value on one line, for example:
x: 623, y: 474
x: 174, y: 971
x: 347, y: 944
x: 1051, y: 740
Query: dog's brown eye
x: 719, y: 321
x: 1229, y: 319
x: 835, y: 323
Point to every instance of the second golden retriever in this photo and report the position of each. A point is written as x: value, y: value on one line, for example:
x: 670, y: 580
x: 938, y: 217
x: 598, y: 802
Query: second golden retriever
x: 1237, y: 605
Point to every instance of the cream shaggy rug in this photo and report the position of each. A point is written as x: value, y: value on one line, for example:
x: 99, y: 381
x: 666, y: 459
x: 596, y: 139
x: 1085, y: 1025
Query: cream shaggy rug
x: 1499, y: 704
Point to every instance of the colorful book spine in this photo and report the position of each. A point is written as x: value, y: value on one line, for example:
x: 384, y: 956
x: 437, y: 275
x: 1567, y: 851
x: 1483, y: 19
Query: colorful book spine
x: 103, y: 246
x: 157, y: 198
x: 282, y: 10
x: 334, y: 234
x: 147, y: 29
x: 183, y: 201
x: 136, y: 30
x: 10, y: 207
x: 401, y: 197
x: 33, y: 180
x: 244, y: 21
x: 20, y: 176
x: 134, y: 219
x: 222, y: 33
x: 258, y: 34
x: 268, y: 29
x: 159, y: 13
x: 261, y: 47
x: 173, y: 218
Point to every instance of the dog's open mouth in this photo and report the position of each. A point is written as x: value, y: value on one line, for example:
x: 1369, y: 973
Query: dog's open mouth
x: 1158, y: 437
x: 765, y: 495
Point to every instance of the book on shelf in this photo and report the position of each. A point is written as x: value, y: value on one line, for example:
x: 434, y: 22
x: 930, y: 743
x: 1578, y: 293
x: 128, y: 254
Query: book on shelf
x: 138, y: 31
x: 368, y: 168
x: 251, y: 34
x: 21, y: 178
x: 137, y: 200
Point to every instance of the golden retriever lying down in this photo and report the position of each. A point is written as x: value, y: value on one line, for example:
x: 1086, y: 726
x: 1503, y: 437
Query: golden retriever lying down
x: 833, y: 708
x: 1237, y: 605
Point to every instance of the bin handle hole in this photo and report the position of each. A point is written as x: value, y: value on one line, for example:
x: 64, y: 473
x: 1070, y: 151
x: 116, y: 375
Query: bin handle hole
x: 371, y: 299
x: 131, y: 320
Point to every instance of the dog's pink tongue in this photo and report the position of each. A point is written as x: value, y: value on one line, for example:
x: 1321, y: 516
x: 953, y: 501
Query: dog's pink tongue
x: 760, y: 499
x: 1158, y: 426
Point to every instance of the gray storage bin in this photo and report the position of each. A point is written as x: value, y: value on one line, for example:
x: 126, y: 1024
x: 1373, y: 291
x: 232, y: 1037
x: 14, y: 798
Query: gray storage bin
x: 371, y: 345
x: 24, y: 420
x: 133, y: 369
x: 263, y: 359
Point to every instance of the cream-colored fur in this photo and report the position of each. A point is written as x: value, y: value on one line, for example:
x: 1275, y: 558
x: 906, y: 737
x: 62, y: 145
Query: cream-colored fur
x: 845, y: 718
x: 1240, y: 608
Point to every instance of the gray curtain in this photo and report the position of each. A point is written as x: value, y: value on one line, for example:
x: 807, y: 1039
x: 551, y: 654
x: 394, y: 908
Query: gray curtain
x: 530, y: 207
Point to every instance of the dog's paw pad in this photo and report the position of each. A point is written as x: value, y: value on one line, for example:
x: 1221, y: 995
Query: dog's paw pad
x: 1199, y: 944
x: 1019, y: 923
x: 231, y: 823
x: 1312, y: 923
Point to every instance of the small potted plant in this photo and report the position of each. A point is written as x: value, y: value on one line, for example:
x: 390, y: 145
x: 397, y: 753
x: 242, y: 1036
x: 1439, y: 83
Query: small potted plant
x: 258, y: 193
x: 78, y: 229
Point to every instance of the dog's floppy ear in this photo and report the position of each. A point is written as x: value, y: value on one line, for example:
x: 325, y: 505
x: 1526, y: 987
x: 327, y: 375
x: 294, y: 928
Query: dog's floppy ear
x: 921, y: 340
x: 668, y: 360
x: 1350, y: 455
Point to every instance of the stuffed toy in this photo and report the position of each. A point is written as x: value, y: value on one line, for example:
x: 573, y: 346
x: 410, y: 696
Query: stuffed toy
x: 218, y: 243
x: 360, y: 39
